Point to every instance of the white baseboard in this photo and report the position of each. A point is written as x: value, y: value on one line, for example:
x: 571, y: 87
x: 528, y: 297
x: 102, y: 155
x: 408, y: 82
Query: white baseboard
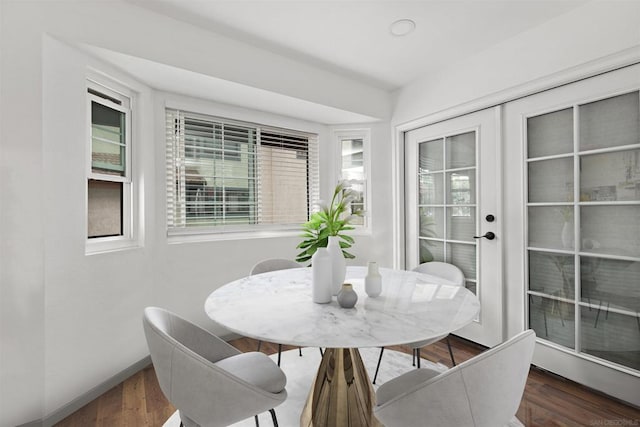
x: 77, y: 403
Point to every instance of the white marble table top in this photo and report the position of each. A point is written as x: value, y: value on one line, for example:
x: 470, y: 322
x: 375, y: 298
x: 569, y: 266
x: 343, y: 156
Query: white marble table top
x: 277, y: 307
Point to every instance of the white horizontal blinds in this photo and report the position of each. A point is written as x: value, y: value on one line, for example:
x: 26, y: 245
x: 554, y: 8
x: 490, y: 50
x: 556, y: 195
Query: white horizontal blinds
x: 284, y: 185
x: 225, y: 173
x: 314, y: 171
x: 174, y: 156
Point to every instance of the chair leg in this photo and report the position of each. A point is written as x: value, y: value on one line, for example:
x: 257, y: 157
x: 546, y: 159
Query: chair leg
x: 259, y: 345
x: 273, y: 417
x: 300, y: 351
x: 375, y: 376
x: 321, y: 352
x: 279, y: 353
x: 256, y: 418
x: 413, y: 357
x: 418, y: 357
x: 451, y: 352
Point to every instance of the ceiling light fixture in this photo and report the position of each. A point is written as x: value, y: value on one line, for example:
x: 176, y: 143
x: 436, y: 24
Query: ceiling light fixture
x: 402, y: 27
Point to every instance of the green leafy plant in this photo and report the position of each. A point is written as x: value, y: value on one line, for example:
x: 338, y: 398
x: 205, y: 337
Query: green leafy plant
x: 330, y: 220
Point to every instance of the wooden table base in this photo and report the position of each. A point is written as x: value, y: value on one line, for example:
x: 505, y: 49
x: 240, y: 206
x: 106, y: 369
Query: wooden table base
x: 341, y: 394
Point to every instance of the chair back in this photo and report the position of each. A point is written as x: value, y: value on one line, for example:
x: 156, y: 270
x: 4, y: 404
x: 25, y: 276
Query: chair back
x: 273, y: 264
x: 165, y: 332
x: 442, y: 269
x: 484, y: 391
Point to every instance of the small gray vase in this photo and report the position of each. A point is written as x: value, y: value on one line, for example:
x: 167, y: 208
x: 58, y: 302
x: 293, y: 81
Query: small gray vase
x: 347, y: 297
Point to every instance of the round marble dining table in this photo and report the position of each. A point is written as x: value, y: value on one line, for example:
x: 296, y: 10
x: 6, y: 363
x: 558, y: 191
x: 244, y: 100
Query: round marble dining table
x: 277, y: 307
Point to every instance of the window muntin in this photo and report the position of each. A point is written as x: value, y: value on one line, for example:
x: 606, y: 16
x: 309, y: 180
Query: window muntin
x: 226, y: 175
x: 109, y: 203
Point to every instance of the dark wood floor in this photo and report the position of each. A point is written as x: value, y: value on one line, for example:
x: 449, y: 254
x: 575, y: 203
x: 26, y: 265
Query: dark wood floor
x: 548, y: 399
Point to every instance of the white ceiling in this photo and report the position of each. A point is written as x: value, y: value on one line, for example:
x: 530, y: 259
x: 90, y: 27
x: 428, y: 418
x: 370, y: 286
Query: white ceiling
x: 352, y: 38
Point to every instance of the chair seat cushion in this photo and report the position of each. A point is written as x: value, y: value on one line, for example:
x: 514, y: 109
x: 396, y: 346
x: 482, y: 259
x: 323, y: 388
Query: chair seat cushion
x: 403, y: 383
x: 257, y: 369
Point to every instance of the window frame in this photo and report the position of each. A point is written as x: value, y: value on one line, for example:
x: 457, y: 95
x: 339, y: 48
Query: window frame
x: 180, y: 234
x: 339, y: 135
x: 111, y: 92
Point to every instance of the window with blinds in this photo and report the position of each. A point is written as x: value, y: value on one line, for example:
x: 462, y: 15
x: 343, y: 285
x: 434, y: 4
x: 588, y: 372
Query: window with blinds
x: 225, y: 175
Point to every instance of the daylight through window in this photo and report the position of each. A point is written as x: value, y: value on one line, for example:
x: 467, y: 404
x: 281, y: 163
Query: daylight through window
x: 236, y: 176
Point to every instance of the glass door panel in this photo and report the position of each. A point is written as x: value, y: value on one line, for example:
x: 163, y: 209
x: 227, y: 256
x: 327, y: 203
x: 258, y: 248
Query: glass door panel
x: 431, y: 250
x: 550, y: 134
x: 461, y: 223
x: 610, y: 122
x: 431, y: 189
x: 610, y: 176
x: 552, y: 320
x: 551, y: 227
x: 551, y: 180
x: 611, y: 230
x: 610, y: 336
x: 430, y: 156
x: 432, y: 222
x: 464, y: 256
x: 552, y: 274
x: 461, y: 150
x: 461, y: 187
x: 610, y: 282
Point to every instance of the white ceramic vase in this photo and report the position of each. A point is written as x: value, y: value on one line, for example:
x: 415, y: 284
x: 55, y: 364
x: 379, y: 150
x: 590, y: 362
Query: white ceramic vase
x: 338, y: 264
x: 373, y: 281
x: 322, y: 286
x: 567, y: 236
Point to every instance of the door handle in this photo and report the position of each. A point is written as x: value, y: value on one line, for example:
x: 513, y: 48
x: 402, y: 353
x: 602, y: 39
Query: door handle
x: 488, y: 235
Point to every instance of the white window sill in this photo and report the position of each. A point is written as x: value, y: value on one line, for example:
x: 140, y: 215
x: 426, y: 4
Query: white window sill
x: 109, y: 244
x: 177, y: 236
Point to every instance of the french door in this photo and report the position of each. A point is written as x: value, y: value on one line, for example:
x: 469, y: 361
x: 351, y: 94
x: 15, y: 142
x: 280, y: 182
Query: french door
x: 452, y: 195
x: 579, y: 159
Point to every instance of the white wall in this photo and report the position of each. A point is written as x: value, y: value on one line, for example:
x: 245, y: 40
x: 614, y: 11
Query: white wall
x: 71, y: 321
x: 595, y: 30
x: 21, y: 226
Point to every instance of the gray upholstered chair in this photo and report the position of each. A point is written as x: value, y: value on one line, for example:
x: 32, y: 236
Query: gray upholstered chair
x: 482, y: 392
x: 448, y: 272
x: 274, y: 264
x: 210, y: 382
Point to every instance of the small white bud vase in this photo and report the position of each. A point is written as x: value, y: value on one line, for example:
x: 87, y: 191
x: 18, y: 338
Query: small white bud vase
x: 338, y: 263
x: 347, y: 297
x: 373, y: 281
x: 322, y: 278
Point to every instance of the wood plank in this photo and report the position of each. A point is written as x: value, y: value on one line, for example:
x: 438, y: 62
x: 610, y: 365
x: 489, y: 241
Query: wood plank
x: 134, y: 403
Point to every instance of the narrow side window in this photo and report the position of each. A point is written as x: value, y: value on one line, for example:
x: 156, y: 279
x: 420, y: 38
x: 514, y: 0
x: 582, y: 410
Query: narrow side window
x: 353, y: 147
x: 109, y: 185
